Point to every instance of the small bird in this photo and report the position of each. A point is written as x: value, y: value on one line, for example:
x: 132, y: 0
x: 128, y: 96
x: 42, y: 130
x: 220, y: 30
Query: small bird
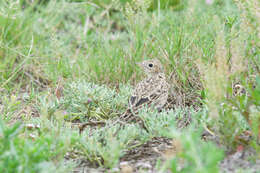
x: 152, y: 91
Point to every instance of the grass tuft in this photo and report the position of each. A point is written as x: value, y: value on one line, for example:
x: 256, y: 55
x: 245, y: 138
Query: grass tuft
x: 68, y: 62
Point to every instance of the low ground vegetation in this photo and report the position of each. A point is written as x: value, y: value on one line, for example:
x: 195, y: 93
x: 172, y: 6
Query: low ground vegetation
x: 64, y: 63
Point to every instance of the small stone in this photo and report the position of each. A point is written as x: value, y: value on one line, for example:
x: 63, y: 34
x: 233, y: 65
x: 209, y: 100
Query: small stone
x: 144, y: 165
x: 115, y: 170
x: 125, y: 167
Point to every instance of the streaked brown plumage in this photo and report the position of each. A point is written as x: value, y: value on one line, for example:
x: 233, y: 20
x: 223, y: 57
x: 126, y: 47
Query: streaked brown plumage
x: 151, y: 92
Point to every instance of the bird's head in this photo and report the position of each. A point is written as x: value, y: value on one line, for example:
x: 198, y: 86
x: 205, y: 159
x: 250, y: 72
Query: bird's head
x: 151, y: 67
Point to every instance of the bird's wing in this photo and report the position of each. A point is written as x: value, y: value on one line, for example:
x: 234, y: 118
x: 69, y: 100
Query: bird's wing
x: 140, y: 94
x: 149, y: 94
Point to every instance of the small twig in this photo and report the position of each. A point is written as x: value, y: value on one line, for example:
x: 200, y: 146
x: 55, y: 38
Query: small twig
x: 209, y: 131
x: 82, y: 126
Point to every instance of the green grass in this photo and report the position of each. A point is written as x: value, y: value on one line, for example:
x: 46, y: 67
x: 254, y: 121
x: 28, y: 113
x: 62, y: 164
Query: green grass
x: 89, y: 50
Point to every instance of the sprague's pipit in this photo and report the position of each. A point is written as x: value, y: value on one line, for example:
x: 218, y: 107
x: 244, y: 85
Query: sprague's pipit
x: 152, y: 91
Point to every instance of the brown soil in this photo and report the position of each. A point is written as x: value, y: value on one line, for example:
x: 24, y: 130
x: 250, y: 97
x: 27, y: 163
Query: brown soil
x: 144, y: 159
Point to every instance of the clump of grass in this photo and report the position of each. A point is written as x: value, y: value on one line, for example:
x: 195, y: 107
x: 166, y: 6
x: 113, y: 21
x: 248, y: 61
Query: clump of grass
x: 84, y: 101
x: 105, y: 147
x: 232, y: 112
x: 95, y: 101
x: 190, y: 153
x: 100, y: 42
x: 20, y: 153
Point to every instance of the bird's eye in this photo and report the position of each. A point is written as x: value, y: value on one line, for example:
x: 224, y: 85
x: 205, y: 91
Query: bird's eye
x: 150, y: 65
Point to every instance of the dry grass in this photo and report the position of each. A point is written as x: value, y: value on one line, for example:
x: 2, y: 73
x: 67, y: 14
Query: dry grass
x: 64, y: 62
